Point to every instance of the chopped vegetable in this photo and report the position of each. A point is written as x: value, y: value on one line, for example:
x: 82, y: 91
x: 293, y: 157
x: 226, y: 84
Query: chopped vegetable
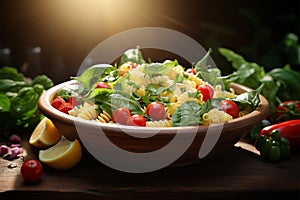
x: 287, y: 110
x: 288, y: 129
x: 273, y: 147
x: 4, y: 150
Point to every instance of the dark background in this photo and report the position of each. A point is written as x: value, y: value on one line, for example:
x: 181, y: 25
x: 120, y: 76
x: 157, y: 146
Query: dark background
x: 53, y: 36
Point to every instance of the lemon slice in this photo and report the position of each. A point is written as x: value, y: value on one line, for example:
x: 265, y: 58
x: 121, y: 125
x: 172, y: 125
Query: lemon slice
x: 64, y: 155
x: 45, y: 134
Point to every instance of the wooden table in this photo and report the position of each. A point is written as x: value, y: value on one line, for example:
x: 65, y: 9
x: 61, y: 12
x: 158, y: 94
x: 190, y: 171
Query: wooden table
x: 237, y: 174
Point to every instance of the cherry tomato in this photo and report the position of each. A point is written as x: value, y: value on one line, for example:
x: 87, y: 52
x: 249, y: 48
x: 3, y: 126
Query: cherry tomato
x: 229, y: 107
x: 73, y: 101
x: 65, y: 107
x: 136, y: 120
x: 121, y: 115
x: 102, y: 85
x: 191, y: 71
x: 57, y: 102
x: 133, y: 64
x: 156, y: 111
x: 31, y: 170
x: 207, y: 91
x: 287, y: 110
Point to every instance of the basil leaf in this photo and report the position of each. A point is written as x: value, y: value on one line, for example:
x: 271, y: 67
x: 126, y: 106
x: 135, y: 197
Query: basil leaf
x: 25, y: 102
x: 8, y: 85
x: 11, y: 73
x: 43, y: 80
x: 4, y: 103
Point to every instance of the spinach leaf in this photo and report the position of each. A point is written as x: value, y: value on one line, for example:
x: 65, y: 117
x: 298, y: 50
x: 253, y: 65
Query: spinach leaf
x: 288, y: 82
x: 247, y: 73
x: 118, y: 100
x: 201, y: 65
x: 92, y: 75
x: 236, y: 60
x: 249, y: 100
x: 157, y: 69
x: 133, y: 55
x: 190, y: 114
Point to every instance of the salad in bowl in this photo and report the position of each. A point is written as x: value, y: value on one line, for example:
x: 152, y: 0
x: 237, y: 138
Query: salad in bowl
x: 153, y: 94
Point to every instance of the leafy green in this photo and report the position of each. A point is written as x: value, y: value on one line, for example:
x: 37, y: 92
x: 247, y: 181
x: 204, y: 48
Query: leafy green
x: 133, y: 55
x: 247, y: 73
x: 42, y: 80
x: 157, y: 69
x: 249, y: 100
x: 11, y: 73
x: 92, y: 75
x: 190, y: 113
x: 18, y: 99
x: 117, y: 100
x: 201, y: 65
x: 278, y: 85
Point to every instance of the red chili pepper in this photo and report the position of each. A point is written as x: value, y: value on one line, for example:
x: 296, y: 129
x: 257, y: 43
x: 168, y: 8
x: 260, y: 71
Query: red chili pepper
x: 289, y: 129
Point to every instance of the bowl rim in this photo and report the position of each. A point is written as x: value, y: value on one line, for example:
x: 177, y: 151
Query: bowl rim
x: 47, y: 110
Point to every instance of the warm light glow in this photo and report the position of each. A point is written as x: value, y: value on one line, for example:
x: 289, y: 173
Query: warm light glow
x: 108, y: 15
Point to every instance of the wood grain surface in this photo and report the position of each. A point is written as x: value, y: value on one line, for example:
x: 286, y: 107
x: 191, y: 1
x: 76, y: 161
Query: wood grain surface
x: 236, y: 174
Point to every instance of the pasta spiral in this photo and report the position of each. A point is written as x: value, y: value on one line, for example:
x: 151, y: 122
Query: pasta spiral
x: 104, y: 117
x: 86, y: 111
x: 160, y: 123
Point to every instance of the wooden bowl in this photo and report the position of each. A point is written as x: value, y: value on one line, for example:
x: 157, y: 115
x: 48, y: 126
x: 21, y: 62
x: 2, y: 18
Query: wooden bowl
x: 194, y: 143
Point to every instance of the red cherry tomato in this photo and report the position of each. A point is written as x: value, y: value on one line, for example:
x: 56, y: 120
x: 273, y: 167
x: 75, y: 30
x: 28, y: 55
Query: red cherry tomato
x: 57, y: 102
x: 136, y: 120
x: 191, y: 71
x: 121, y: 115
x: 73, y: 101
x: 102, y: 85
x: 133, y: 64
x: 65, y: 107
x: 229, y: 107
x: 207, y: 91
x: 156, y: 111
x: 31, y: 170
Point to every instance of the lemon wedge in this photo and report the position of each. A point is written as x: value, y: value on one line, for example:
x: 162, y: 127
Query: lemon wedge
x: 64, y: 155
x: 45, y: 134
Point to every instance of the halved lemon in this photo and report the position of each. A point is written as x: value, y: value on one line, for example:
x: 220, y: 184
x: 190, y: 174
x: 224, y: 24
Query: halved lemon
x: 45, y: 134
x: 64, y: 155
